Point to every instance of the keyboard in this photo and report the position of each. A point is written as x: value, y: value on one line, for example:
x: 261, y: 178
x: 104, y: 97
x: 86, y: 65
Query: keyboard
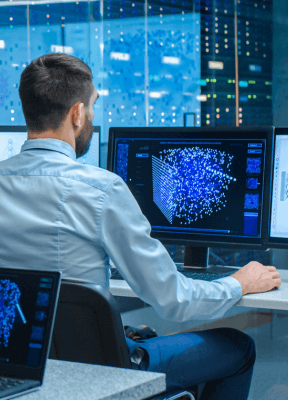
x: 9, y: 386
x: 204, y: 276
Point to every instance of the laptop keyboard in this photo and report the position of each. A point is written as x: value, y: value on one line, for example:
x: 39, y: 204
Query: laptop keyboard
x: 204, y: 276
x: 10, y: 382
x: 9, y: 386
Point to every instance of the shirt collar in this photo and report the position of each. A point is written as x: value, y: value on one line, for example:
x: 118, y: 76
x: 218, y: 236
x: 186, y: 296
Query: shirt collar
x: 50, y: 144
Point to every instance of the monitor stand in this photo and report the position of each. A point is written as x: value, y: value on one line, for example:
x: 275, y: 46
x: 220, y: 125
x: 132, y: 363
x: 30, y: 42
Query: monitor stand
x: 196, y: 259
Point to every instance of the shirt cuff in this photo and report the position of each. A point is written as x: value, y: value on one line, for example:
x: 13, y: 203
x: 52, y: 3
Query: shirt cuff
x: 234, y: 286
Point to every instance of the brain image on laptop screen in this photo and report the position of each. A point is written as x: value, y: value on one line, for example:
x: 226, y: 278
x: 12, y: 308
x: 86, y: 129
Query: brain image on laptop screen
x: 25, y: 311
x: 11, y: 314
x: 28, y: 301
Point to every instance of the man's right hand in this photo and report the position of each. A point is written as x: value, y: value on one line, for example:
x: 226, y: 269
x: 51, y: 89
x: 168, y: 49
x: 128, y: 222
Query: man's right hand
x: 256, y: 278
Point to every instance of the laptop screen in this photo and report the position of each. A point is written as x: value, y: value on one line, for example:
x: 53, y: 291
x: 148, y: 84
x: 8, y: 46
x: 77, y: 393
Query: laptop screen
x: 27, y: 305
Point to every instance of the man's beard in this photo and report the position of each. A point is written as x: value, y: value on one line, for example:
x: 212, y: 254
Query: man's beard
x: 83, y: 141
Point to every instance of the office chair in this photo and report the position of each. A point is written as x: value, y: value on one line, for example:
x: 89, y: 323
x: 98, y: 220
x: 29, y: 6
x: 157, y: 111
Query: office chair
x: 88, y: 328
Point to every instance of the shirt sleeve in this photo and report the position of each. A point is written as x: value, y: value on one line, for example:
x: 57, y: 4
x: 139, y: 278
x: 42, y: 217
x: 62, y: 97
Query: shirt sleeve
x: 149, y: 270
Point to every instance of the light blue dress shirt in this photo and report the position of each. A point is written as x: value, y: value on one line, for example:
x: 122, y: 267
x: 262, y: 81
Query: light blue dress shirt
x: 58, y: 214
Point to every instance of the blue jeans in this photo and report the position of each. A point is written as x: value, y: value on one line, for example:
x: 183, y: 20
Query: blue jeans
x: 221, y: 358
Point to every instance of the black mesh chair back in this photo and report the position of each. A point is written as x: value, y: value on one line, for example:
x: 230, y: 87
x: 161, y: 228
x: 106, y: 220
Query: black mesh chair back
x: 88, y: 327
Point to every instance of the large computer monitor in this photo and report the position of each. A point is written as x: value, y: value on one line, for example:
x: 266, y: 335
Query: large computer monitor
x: 278, y: 229
x: 199, y: 187
x: 13, y: 137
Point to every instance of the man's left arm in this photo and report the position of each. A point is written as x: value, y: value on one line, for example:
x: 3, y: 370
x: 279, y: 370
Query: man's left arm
x: 149, y: 270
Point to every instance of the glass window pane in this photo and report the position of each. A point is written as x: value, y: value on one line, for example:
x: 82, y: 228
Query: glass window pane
x: 173, y: 66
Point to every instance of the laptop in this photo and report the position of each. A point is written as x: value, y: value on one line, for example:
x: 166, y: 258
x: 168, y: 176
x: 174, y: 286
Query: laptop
x: 28, y: 302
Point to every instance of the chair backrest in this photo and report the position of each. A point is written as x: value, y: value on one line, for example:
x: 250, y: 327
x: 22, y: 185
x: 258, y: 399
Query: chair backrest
x: 88, y: 327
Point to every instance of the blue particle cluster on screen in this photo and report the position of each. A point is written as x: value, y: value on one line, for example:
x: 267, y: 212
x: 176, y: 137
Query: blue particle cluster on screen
x: 9, y: 297
x: 191, y: 182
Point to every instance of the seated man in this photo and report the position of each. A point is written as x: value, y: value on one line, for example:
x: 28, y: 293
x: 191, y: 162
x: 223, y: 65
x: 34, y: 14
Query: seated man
x: 59, y: 214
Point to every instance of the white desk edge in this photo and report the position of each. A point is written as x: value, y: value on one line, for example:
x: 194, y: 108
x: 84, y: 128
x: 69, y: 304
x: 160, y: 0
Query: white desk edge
x: 275, y: 299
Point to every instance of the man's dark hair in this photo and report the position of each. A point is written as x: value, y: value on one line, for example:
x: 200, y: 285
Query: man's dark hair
x: 49, y: 87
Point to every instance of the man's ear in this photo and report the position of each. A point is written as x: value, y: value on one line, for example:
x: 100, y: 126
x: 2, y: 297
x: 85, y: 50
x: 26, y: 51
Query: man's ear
x: 78, y: 114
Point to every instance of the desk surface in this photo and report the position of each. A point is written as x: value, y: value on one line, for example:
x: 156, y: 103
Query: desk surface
x: 275, y: 299
x: 73, y: 381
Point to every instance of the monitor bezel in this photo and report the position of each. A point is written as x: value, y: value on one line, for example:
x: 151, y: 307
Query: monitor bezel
x: 11, y: 128
x: 274, y: 242
x: 257, y: 243
x: 97, y: 128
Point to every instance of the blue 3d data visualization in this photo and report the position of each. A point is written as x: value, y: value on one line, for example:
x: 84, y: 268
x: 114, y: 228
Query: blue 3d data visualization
x: 9, y: 308
x: 191, y: 182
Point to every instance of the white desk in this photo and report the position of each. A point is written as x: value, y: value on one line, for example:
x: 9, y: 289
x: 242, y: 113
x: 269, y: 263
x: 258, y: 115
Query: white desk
x: 74, y: 381
x: 275, y: 299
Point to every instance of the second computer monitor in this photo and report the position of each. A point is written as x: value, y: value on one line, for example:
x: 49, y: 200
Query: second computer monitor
x: 92, y: 157
x: 11, y: 140
x: 205, y: 187
x: 278, y: 231
x: 13, y: 137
